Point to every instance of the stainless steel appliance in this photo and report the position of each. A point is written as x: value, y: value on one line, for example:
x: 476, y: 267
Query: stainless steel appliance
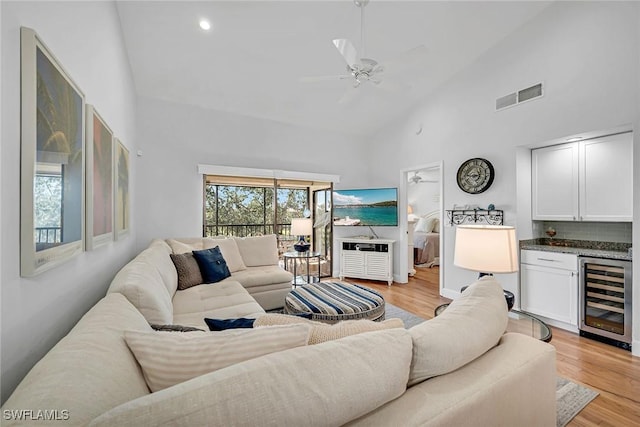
x: 605, y: 300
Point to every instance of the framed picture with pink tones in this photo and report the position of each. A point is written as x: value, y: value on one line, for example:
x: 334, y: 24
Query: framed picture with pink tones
x: 121, y: 187
x: 99, y: 181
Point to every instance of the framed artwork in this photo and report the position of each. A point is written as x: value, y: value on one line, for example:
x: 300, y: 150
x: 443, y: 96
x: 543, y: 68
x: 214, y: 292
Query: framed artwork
x: 99, y: 181
x: 52, y: 160
x: 121, y: 185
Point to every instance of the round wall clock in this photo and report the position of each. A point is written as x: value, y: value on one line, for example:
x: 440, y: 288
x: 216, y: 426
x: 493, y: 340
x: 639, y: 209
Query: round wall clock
x: 475, y: 175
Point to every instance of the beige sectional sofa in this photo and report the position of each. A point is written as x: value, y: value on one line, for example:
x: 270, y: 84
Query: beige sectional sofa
x: 456, y: 369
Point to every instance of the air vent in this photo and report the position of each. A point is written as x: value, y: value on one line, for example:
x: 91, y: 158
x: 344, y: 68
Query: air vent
x: 518, y: 97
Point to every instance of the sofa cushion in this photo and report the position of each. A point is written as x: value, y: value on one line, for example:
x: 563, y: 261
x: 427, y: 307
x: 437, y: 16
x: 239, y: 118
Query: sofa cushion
x: 89, y: 371
x: 188, y: 270
x: 230, y: 251
x: 322, y: 385
x: 157, y: 254
x: 259, y: 250
x: 228, y: 247
x: 224, y: 300
x: 143, y: 286
x: 471, y: 325
x: 262, y: 276
x: 167, y: 358
x: 322, y: 332
x: 213, y: 266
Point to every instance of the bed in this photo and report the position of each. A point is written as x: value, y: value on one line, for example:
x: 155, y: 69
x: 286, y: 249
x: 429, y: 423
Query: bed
x: 426, y: 240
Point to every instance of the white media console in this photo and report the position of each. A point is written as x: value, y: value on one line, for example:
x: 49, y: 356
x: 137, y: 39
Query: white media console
x: 366, y: 258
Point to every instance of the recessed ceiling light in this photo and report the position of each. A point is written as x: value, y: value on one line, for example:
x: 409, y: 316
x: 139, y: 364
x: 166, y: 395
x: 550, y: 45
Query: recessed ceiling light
x: 205, y: 25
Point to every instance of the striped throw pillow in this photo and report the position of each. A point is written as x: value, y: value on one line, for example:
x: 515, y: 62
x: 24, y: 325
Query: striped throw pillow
x: 168, y: 358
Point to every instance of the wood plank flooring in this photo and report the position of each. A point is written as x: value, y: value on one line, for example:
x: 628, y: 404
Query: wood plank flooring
x: 613, y: 372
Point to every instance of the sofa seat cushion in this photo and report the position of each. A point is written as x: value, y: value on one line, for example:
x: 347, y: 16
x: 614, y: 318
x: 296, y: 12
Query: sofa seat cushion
x: 89, y: 371
x: 469, y: 327
x: 168, y: 358
x: 262, y: 276
x: 223, y: 300
x: 290, y: 388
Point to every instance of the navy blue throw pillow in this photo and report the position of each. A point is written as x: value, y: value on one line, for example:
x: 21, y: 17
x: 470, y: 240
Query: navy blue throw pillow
x: 212, y: 265
x: 222, y: 324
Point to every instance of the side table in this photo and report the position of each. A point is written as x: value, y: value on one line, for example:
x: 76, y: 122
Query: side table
x: 306, y: 257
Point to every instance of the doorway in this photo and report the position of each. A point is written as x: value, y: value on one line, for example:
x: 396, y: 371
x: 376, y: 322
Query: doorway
x: 422, y: 196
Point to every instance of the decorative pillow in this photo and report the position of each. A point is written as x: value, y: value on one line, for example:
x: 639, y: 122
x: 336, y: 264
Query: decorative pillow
x: 425, y: 225
x: 230, y: 252
x: 188, y: 270
x: 168, y: 358
x: 212, y: 265
x: 470, y: 326
x: 176, y: 328
x: 322, y: 332
x: 224, y: 324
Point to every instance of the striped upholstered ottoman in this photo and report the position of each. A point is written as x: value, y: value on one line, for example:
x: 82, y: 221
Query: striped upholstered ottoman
x: 331, y: 302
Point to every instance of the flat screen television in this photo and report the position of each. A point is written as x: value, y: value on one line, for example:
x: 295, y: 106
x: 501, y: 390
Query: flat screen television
x: 367, y: 206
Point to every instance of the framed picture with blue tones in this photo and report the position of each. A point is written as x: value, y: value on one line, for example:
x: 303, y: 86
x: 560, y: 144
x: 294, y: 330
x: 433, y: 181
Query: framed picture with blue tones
x: 52, y: 160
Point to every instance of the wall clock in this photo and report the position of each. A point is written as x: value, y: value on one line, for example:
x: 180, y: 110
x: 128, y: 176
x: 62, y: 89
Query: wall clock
x: 475, y: 175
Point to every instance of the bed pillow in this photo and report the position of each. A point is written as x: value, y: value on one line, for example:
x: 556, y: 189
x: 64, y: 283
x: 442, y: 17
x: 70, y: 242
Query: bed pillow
x: 425, y: 225
x: 212, y: 265
x: 167, y: 358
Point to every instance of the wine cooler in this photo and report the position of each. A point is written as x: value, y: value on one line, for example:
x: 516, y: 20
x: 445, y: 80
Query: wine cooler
x: 605, y: 300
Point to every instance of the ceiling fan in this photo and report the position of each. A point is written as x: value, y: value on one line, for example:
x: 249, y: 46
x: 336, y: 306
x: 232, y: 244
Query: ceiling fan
x: 416, y: 178
x: 362, y: 70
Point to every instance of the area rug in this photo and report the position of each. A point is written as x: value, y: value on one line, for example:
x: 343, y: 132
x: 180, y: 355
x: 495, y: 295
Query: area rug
x: 571, y: 398
x: 409, y: 319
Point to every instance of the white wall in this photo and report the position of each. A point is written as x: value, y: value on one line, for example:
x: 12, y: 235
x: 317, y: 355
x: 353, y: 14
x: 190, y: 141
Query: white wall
x: 424, y: 197
x: 175, y: 138
x: 86, y: 39
x: 586, y: 54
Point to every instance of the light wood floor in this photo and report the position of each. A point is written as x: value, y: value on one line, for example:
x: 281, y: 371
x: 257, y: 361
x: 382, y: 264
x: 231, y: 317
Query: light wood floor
x: 613, y: 372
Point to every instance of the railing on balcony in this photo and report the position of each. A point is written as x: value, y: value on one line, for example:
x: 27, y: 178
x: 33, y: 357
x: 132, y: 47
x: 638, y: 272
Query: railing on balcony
x: 244, y: 230
x: 48, y: 234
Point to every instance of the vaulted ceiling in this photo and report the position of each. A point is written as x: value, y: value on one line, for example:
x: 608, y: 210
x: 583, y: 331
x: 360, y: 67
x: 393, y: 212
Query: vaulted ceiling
x: 252, y: 59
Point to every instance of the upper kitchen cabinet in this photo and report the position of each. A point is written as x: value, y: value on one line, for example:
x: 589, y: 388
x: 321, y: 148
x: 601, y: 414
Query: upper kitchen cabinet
x: 606, y: 177
x: 554, y: 182
x: 589, y: 180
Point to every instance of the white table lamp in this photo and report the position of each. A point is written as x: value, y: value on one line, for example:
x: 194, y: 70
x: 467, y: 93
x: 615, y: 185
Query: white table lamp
x: 301, y: 227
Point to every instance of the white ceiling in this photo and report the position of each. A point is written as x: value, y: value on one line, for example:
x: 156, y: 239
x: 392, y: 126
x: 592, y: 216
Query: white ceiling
x: 252, y: 60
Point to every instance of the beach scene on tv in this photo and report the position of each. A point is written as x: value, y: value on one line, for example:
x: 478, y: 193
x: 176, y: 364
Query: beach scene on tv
x: 374, y: 207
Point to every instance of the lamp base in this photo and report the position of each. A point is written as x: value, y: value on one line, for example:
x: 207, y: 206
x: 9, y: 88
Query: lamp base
x: 301, y: 247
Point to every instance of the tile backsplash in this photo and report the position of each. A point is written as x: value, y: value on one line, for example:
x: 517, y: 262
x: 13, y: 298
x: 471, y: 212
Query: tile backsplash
x: 599, y: 231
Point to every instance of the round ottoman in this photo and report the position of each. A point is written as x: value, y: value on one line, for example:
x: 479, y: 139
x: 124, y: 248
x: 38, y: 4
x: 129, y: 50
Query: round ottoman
x: 331, y: 302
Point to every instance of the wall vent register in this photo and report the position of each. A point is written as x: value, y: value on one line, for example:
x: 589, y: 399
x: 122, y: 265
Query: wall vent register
x: 519, y: 97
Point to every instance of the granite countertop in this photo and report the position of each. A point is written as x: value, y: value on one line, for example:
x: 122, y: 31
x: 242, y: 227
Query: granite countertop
x: 612, y: 250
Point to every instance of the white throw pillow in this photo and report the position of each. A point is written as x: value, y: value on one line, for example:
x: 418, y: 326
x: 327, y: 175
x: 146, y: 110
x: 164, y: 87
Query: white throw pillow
x: 425, y: 225
x: 169, y: 358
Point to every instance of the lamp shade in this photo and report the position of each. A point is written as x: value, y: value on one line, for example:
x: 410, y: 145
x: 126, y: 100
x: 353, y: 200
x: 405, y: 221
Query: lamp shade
x: 486, y: 248
x: 409, y: 209
x: 301, y: 226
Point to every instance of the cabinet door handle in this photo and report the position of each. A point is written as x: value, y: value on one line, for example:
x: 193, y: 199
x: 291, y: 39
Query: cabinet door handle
x: 548, y: 259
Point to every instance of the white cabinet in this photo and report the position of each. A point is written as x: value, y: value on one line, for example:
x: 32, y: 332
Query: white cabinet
x: 366, y: 259
x: 606, y: 176
x: 584, y: 181
x: 549, y: 286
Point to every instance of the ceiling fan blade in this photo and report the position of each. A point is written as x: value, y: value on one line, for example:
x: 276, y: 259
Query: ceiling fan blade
x: 391, y: 85
x: 313, y: 79
x: 347, y: 50
x: 414, y: 58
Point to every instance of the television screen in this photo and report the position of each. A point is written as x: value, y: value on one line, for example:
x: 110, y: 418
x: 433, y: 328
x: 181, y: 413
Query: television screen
x: 369, y: 207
